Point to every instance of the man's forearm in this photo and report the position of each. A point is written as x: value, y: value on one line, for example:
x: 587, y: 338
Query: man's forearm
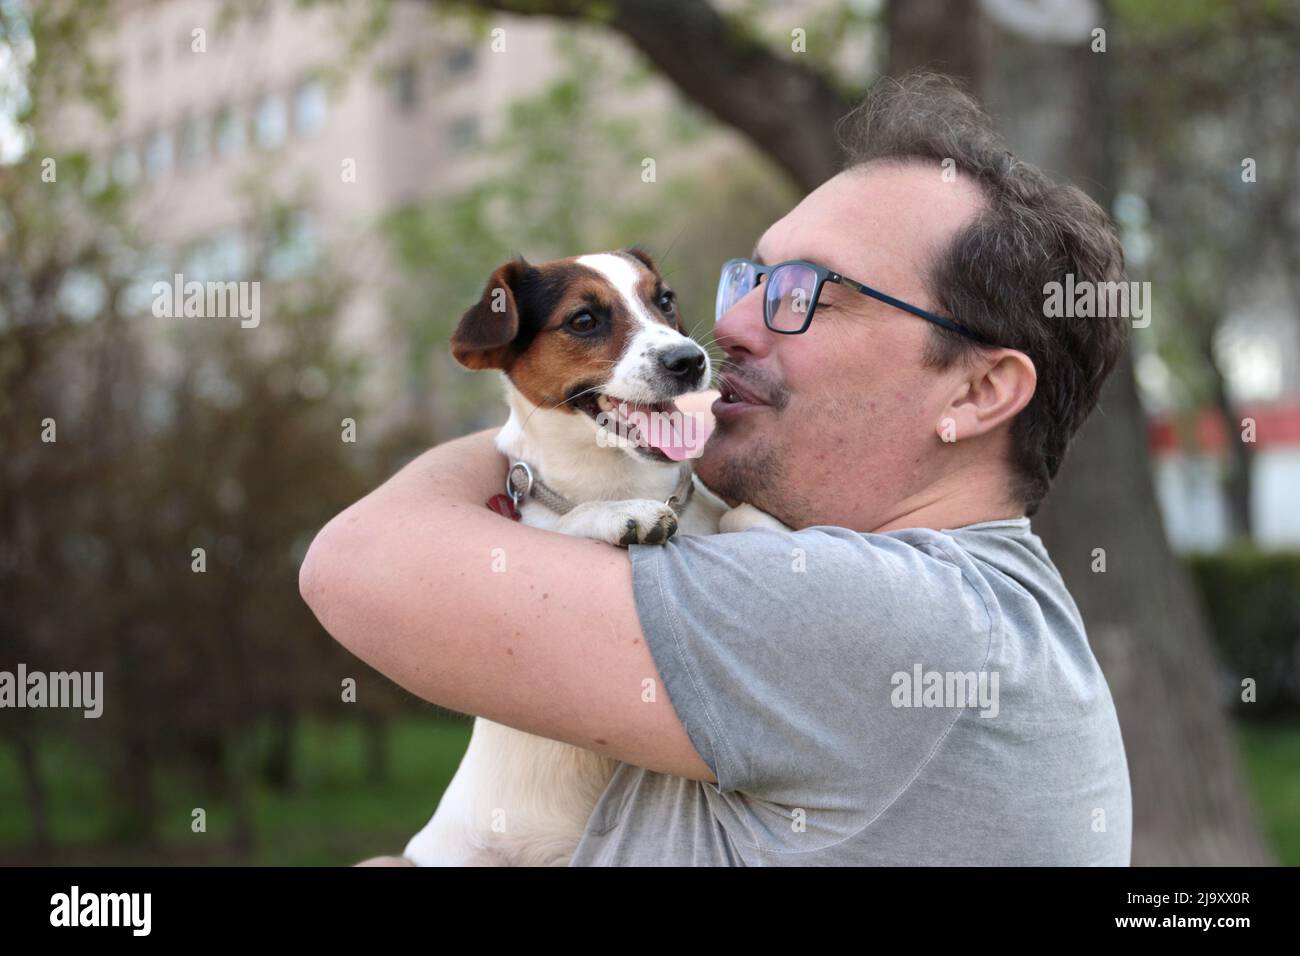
x: 487, y: 616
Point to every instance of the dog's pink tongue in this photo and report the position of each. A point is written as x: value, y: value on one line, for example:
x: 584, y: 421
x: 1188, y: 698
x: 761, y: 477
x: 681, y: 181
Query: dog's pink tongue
x: 669, y: 430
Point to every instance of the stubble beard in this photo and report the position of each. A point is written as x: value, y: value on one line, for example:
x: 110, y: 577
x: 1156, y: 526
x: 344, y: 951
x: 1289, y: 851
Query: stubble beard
x: 755, y: 472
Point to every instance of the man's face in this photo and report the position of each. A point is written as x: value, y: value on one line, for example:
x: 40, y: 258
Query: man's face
x: 846, y: 420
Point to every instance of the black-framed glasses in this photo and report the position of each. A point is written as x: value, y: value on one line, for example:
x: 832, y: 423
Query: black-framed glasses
x: 791, y: 292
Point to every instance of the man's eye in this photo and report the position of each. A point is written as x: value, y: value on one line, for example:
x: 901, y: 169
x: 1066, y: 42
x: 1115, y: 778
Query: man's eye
x: 582, y: 323
x: 667, y: 301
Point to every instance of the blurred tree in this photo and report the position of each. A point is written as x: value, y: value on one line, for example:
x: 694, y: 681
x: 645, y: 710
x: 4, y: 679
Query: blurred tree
x: 158, y: 538
x: 1208, y: 128
x: 50, y: 270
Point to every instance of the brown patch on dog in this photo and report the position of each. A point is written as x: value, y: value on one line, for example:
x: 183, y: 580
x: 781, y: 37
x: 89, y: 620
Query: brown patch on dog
x: 556, y: 362
x: 650, y: 286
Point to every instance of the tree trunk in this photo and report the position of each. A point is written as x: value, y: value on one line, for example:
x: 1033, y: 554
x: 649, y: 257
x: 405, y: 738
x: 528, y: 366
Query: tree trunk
x: 377, y: 763
x: 34, y: 791
x: 1145, y: 622
x: 238, y: 787
x: 135, y: 805
x: 938, y: 35
x: 1237, y: 456
x: 278, y: 767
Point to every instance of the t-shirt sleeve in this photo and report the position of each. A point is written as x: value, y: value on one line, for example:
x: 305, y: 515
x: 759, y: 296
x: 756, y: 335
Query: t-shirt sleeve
x: 782, y: 654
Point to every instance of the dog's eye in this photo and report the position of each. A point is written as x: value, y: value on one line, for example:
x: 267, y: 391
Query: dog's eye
x: 582, y: 323
x: 667, y: 301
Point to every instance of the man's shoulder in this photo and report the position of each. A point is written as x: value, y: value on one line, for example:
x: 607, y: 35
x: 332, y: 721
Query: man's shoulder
x: 920, y: 566
x: 914, y: 585
x: 943, y: 587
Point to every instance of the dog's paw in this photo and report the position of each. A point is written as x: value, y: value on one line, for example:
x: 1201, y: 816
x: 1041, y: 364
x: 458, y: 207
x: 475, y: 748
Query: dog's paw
x: 635, y: 521
x: 745, y: 516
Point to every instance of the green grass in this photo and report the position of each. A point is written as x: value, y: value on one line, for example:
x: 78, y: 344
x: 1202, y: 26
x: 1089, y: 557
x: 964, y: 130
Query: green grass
x: 1272, y: 756
x: 335, y: 816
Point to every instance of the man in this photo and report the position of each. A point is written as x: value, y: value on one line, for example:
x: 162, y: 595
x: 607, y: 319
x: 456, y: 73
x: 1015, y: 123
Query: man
x: 902, y: 679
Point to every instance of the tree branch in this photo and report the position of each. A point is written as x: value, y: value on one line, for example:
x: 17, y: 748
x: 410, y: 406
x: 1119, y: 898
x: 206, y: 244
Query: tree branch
x: 787, y: 109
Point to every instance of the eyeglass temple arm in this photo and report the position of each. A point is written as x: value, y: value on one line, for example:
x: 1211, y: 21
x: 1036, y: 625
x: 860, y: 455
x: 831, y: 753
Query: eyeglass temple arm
x: 900, y: 304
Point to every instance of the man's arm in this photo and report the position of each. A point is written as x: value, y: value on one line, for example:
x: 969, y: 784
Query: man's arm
x: 551, y: 644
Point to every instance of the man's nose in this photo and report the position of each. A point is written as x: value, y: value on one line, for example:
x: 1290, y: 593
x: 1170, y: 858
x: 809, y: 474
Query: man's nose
x: 685, y: 363
x: 741, y: 328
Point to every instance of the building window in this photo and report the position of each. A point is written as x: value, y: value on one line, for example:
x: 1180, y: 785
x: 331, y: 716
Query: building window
x: 82, y: 295
x: 194, y: 142
x: 462, y: 134
x: 136, y: 297
x: 460, y: 60
x: 295, y: 249
x: 229, y: 255
x: 230, y: 133
x: 406, y: 87
x: 271, y: 121
x: 158, y: 155
x: 221, y: 258
x: 126, y: 165
x: 310, y: 107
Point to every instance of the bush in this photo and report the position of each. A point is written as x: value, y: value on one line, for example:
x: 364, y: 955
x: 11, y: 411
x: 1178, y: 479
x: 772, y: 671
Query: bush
x: 1253, y: 600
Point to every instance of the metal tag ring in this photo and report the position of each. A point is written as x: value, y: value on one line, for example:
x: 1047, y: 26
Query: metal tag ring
x: 515, y: 495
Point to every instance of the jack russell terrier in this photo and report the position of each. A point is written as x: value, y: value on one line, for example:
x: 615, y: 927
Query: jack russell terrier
x: 593, y: 353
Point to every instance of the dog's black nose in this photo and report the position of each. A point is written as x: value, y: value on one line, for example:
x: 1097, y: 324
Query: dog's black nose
x: 684, y: 363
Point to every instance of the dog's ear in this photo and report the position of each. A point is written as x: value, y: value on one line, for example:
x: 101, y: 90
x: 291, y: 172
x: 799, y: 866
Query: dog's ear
x: 482, y: 339
x: 638, y: 253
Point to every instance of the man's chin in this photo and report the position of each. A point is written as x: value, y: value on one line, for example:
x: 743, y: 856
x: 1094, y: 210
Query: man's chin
x: 710, y: 466
x: 725, y: 467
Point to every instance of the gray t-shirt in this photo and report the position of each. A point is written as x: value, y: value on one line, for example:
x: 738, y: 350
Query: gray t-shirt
x: 916, y: 697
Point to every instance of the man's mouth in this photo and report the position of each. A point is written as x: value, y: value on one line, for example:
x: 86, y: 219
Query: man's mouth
x: 658, y: 430
x: 733, y: 395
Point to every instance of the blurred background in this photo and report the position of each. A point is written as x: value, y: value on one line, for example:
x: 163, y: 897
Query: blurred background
x: 369, y: 163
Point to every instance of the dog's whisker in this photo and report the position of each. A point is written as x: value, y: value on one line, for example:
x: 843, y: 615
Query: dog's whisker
x: 672, y: 245
x: 571, y: 398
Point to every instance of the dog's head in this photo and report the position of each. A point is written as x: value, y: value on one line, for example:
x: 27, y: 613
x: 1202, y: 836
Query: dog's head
x: 596, y: 335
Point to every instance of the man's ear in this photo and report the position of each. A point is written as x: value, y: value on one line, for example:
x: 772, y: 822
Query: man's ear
x: 482, y: 339
x: 999, y: 385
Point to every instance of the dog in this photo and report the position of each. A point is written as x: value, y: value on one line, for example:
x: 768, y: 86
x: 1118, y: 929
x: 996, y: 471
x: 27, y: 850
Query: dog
x: 594, y: 353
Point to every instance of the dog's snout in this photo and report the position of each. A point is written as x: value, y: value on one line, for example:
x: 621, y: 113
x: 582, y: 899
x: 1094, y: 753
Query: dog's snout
x: 684, y: 363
